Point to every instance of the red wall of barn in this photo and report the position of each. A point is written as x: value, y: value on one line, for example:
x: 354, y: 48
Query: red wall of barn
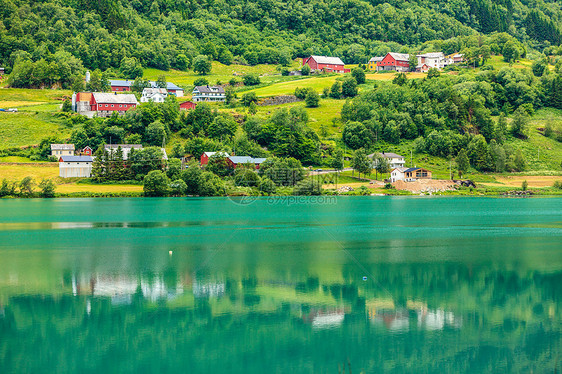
x: 120, y: 88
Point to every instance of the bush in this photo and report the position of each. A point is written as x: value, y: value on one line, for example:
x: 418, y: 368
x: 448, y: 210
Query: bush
x: 389, y: 186
x: 308, y: 187
x: 267, y: 186
x: 47, y: 188
x: 156, y: 184
x: 201, y: 82
x: 312, y: 99
x: 557, y: 185
x: 178, y: 188
x: 251, y: 80
x: 305, y: 70
x: 359, y: 75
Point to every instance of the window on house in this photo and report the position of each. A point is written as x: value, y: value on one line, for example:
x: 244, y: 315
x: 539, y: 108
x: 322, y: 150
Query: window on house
x: 112, y: 105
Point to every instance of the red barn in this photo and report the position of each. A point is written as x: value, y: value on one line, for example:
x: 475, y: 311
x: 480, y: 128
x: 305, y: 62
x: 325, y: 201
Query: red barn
x: 187, y: 105
x: 105, y: 104
x: 206, y: 155
x: 327, y: 64
x: 395, y: 61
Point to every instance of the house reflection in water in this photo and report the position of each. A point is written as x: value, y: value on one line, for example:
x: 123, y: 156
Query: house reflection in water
x: 384, y: 313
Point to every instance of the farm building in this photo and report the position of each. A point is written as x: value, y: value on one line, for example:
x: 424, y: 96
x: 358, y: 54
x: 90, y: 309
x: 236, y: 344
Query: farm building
x: 62, y: 150
x: 75, y: 166
x: 208, y: 93
x: 206, y: 155
x: 187, y: 105
x: 373, y: 63
x: 236, y: 161
x: 105, y: 104
x: 409, y: 175
x: 1, y: 71
x: 395, y: 61
x: 327, y: 64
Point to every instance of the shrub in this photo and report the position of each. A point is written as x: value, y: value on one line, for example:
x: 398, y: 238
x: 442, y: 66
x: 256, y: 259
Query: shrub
x: 156, y: 184
x: 251, y: 80
x: 308, y: 187
x: 201, y: 82
x: 312, y: 99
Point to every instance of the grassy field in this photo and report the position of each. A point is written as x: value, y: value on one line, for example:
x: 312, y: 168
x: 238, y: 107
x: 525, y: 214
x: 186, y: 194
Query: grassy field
x: 219, y: 72
x: 48, y: 170
x: 22, y: 129
x: 30, y: 95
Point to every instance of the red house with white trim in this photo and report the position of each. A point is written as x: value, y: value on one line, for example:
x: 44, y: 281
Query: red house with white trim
x: 105, y: 104
x: 187, y: 105
x: 395, y: 61
x: 327, y: 64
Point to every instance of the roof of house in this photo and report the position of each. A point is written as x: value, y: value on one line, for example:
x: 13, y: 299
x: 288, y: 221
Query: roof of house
x: 209, y: 154
x: 400, y: 56
x: 113, y: 98
x: 246, y: 160
x: 171, y: 86
x: 66, y: 147
x: 432, y: 55
x: 413, y: 169
x: 328, y: 60
x: 76, y: 158
x: 376, y: 59
x: 120, y: 83
x: 386, y: 155
x: 187, y: 102
x: 402, y: 170
x: 123, y: 146
x: 209, y: 89
x: 128, y: 83
x: 154, y: 90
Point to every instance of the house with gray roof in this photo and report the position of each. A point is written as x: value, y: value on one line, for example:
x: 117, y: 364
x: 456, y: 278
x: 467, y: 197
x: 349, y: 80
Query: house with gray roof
x: 208, y: 93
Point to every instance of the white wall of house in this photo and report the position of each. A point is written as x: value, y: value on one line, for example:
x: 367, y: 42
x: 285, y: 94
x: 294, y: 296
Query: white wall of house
x: 62, y: 152
x: 75, y: 169
x: 396, y: 175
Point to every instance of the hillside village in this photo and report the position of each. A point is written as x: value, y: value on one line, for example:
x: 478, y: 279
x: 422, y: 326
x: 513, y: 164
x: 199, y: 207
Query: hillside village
x: 122, y: 96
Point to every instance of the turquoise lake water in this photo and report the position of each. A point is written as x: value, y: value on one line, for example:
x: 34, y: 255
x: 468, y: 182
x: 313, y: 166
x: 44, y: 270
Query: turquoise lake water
x: 372, y: 284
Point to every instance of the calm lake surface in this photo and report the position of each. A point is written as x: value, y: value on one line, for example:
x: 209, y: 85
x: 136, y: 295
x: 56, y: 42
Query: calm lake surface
x: 378, y: 284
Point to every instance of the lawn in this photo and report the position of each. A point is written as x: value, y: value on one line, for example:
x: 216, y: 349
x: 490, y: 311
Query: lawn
x: 50, y: 170
x: 31, y: 95
x: 317, y: 83
x: 23, y: 129
x: 37, y: 172
x: 219, y: 72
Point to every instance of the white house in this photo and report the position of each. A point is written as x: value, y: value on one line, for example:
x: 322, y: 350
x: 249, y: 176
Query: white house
x: 409, y: 175
x: 126, y: 148
x: 156, y: 95
x: 208, y: 93
x: 394, y: 160
x: 62, y: 150
x: 75, y: 166
x: 432, y: 60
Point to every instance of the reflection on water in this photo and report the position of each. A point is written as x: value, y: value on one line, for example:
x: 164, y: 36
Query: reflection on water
x: 175, y: 298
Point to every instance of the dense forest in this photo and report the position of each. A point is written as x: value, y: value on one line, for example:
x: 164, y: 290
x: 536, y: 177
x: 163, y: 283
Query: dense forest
x: 170, y: 34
